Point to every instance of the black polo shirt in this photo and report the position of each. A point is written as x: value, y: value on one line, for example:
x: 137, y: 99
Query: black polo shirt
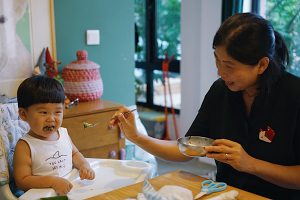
x: 223, y: 115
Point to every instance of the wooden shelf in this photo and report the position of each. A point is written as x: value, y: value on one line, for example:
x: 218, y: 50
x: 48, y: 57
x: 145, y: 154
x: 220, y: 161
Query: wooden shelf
x: 98, y: 141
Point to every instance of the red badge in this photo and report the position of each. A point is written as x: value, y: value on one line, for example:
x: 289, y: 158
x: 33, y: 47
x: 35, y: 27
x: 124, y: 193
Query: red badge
x: 267, y: 135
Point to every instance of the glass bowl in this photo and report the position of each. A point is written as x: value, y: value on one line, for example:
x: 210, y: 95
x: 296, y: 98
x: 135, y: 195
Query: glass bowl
x: 193, y: 145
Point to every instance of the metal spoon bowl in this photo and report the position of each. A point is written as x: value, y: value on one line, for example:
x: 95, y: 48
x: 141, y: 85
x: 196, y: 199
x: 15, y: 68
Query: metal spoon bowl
x: 193, y: 145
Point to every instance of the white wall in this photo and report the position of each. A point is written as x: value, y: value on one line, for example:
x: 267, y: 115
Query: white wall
x: 42, y: 30
x: 199, y: 22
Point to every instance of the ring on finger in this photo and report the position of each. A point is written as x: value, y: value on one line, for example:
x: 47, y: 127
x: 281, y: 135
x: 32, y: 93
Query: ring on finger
x: 226, y: 156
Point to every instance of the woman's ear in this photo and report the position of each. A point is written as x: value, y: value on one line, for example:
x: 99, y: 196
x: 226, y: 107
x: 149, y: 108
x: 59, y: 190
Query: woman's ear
x: 263, y: 64
x: 22, y: 114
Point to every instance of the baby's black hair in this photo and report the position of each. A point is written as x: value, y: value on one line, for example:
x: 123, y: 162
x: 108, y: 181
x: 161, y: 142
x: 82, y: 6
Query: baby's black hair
x: 39, y: 89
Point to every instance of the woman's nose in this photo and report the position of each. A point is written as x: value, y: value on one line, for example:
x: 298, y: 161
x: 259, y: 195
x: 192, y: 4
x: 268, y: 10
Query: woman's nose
x: 220, y: 70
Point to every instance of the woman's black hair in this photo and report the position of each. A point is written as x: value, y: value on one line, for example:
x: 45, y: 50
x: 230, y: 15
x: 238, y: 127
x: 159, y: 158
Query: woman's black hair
x: 39, y: 89
x: 247, y: 38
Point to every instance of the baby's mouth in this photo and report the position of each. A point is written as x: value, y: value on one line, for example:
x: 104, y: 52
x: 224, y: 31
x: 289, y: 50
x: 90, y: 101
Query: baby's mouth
x: 48, y: 128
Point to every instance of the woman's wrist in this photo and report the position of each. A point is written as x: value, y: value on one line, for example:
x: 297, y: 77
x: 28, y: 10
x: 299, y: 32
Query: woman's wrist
x: 253, y: 166
x: 139, y: 138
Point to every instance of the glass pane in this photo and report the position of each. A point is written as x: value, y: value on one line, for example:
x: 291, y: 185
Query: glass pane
x: 168, y: 28
x: 140, y: 85
x: 247, y: 5
x: 140, y: 39
x: 175, y: 86
x: 284, y: 15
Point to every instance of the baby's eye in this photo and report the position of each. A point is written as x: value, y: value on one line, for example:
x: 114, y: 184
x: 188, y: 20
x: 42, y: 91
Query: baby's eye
x: 43, y: 112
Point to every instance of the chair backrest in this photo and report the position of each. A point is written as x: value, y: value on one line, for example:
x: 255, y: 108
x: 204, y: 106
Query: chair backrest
x: 12, y: 128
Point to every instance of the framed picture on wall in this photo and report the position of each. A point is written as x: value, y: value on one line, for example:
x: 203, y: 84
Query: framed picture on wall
x: 15, y: 40
x: 30, y: 30
x: 16, y: 61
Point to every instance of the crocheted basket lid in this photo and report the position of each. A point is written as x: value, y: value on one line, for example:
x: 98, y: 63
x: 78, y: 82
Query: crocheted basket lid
x: 82, y: 62
x: 82, y: 79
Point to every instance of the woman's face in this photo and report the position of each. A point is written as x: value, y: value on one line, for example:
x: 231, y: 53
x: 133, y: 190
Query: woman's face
x: 236, y: 75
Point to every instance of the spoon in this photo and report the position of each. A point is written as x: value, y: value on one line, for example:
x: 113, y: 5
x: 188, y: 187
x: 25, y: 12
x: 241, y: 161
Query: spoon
x: 90, y: 125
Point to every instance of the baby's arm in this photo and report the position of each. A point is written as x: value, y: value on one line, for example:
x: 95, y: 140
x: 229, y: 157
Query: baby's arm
x: 80, y: 163
x: 23, y: 175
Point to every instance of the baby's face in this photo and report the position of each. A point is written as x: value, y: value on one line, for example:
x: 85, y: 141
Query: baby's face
x: 44, y: 120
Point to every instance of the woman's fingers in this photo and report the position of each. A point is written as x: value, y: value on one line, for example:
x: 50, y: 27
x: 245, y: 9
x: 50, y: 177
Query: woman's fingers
x: 229, y: 152
x: 114, y: 120
x: 218, y: 149
x: 224, y: 157
x: 225, y: 142
x: 222, y: 150
x: 222, y: 146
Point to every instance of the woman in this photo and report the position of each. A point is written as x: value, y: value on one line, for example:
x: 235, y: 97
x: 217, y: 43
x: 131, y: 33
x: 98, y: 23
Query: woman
x: 252, y: 112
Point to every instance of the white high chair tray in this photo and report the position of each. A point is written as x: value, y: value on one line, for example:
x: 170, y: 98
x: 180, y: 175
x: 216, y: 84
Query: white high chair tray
x: 110, y: 175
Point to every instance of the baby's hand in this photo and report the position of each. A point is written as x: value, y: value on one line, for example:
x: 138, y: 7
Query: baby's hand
x: 86, y: 172
x: 61, y: 186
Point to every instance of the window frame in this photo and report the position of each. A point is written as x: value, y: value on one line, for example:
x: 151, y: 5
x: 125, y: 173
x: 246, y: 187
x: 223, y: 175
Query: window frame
x: 152, y: 62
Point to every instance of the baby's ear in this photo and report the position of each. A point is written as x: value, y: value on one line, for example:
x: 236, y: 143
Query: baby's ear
x: 22, y: 114
x: 20, y: 8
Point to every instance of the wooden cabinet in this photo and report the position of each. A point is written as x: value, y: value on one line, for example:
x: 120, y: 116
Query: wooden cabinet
x: 97, y: 141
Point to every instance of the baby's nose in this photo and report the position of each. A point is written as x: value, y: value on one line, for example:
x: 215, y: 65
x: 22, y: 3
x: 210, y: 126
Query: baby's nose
x: 51, y: 118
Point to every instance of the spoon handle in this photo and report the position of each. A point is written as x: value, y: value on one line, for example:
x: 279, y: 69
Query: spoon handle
x: 126, y: 114
x: 116, y: 120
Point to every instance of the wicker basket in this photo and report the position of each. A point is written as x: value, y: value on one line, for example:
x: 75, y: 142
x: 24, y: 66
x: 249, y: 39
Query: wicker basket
x: 82, y: 79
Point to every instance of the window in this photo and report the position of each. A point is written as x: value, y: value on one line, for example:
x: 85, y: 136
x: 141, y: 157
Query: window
x: 157, y: 24
x: 285, y: 17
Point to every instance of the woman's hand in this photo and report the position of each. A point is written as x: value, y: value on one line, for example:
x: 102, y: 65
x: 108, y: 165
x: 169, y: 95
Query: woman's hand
x: 232, y: 153
x: 126, y: 122
x: 61, y: 186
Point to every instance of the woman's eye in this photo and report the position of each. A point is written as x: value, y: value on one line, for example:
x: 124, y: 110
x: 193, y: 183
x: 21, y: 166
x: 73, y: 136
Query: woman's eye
x: 228, y: 67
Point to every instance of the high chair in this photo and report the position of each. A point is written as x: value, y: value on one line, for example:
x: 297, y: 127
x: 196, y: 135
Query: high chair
x: 11, y: 129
